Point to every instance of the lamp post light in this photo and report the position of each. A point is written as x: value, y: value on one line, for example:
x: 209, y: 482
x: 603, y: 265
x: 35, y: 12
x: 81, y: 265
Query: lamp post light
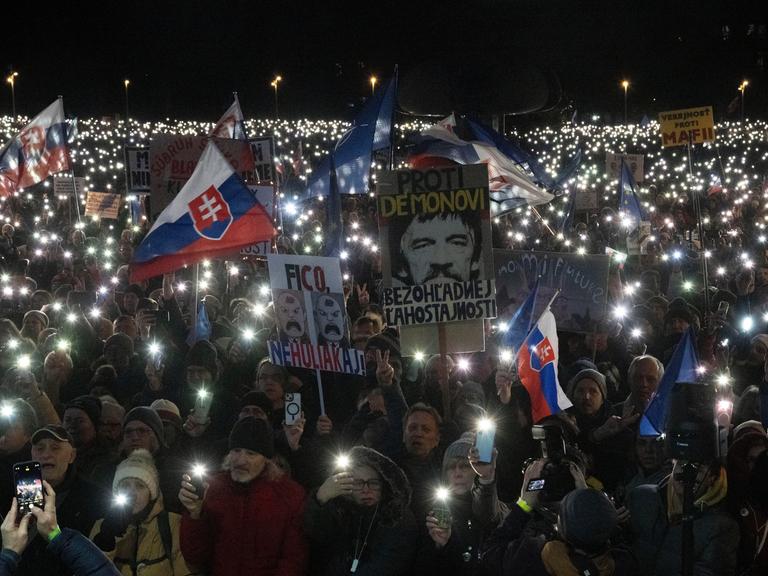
x: 274, y: 85
x: 126, y: 83
x: 625, y: 85
x: 742, y: 89
x: 373, y: 81
x: 11, y: 79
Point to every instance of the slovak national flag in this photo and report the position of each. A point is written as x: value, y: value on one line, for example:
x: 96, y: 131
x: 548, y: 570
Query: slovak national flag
x: 36, y: 152
x: 214, y: 214
x: 231, y: 124
x: 537, y: 369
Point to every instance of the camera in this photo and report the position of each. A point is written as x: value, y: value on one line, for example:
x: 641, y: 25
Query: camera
x: 556, y: 479
x: 691, y: 431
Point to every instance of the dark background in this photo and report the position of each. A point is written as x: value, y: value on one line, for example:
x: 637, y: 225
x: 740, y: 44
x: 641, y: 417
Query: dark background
x: 184, y: 58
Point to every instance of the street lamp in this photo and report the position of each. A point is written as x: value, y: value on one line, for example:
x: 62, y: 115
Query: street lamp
x: 373, y: 81
x: 11, y: 79
x: 126, y: 83
x: 742, y: 89
x: 625, y: 85
x: 274, y: 84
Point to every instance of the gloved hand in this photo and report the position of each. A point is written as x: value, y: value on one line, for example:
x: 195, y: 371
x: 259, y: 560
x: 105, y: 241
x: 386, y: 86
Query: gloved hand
x: 115, y: 524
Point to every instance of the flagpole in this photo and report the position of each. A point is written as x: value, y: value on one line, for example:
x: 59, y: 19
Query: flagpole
x: 699, y: 225
x: 320, y: 393
x: 71, y: 168
x: 533, y: 208
x: 392, y: 125
x: 196, y: 277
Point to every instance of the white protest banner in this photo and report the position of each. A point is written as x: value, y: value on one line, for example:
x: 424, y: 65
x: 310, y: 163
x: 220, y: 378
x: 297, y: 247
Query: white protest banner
x: 266, y: 197
x: 173, y: 158
x: 308, y: 296
x: 435, y: 238
x: 137, y: 169
x: 63, y: 185
x: 103, y: 205
x: 634, y: 161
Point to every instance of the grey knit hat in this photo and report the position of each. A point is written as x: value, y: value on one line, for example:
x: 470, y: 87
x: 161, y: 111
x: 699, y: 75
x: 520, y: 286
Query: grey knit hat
x: 588, y: 374
x: 459, y: 449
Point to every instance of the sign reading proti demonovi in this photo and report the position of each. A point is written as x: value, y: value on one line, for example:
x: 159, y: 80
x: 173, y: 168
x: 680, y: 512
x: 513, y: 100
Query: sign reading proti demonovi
x: 688, y: 126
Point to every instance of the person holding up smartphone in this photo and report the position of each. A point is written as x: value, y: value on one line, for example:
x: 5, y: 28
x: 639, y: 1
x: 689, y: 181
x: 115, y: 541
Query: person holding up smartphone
x: 78, y: 554
x: 474, y: 508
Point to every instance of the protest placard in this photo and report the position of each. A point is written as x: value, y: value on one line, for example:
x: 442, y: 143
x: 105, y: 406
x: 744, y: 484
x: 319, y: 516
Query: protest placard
x: 581, y: 279
x: 173, y: 158
x: 263, y: 158
x: 266, y: 197
x: 687, y: 126
x: 435, y: 239
x: 103, y: 205
x: 633, y: 161
x: 64, y: 185
x: 137, y: 169
x: 308, y: 296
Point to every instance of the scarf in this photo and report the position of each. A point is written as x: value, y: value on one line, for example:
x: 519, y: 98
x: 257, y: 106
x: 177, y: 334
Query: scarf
x: 712, y: 496
x: 557, y: 558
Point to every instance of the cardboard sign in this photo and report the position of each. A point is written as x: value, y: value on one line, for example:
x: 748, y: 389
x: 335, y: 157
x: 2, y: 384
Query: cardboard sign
x: 435, y: 239
x: 581, y: 279
x: 633, y: 161
x: 172, y: 159
x: 688, y: 126
x: 63, y: 185
x: 137, y: 169
x: 308, y: 296
x: 103, y: 205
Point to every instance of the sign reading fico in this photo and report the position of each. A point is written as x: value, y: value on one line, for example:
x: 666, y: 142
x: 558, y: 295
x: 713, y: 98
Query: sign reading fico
x: 688, y: 126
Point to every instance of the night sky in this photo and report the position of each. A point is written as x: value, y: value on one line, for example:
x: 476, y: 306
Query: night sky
x: 184, y: 58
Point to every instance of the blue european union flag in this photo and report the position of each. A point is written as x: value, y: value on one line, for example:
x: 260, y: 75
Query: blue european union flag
x: 202, y: 330
x: 520, y: 324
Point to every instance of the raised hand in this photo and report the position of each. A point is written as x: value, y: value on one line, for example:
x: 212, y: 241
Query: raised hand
x: 385, y: 373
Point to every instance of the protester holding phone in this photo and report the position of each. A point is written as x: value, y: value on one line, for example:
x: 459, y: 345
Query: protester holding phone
x: 359, y: 518
x: 474, y: 508
x: 138, y: 530
x: 78, y: 554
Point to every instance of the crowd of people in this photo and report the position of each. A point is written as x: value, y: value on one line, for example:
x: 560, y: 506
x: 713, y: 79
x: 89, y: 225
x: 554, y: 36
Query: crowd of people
x: 101, y: 382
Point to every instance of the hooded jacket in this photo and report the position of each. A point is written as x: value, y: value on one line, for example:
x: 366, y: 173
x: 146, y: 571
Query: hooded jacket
x: 142, y: 546
x: 251, y: 529
x: 389, y: 533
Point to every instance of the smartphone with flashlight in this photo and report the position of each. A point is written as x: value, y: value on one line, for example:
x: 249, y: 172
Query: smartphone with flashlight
x: 292, y: 408
x: 486, y: 432
x: 197, y: 477
x: 28, y: 479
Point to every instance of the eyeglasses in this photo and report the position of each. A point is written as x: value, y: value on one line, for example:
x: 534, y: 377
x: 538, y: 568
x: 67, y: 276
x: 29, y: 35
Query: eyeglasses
x: 371, y: 484
x: 137, y: 431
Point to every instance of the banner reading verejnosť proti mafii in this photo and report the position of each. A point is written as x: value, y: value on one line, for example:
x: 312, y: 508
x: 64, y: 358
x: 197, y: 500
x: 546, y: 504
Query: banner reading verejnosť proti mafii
x: 137, y: 169
x: 688, y: 126
x: 103, y: 205
x: 266, y: 197
x: 64, y: 186
x: 435, y: 232
x: 173, y: 158
x: 263, y: 150
x: 633, y: 161
x: 581, y: 279
x: 308, y: 297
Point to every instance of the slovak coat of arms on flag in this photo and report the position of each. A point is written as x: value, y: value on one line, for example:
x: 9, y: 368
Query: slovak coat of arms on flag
x: 210, y: 214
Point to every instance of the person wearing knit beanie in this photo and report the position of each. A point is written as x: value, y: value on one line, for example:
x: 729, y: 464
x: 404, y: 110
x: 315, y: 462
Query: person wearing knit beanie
x: 203, y: 355
x: 256, y: 404
x: 34, y: 322
x: 587, y: 519
x: 83, y: 430
x: 168, y: 411
x: 251, y: 445
x: 141, y: 466
x: 142, y: 428
x: 587, y: 374
x: 458, y: 450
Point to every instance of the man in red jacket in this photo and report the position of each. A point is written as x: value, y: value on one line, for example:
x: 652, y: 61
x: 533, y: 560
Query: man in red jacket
x: 249, y: 519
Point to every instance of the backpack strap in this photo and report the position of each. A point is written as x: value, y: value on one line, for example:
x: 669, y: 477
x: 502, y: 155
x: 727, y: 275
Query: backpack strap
x: 164, y: 527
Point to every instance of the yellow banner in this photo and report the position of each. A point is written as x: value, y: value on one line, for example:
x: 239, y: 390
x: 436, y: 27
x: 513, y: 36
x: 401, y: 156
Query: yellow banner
x: 688, y: 126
